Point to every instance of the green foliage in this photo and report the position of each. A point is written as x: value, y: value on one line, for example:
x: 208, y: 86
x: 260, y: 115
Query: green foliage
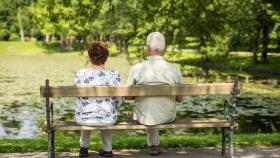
x: 14, y: 16
x: 69, y: 19
x: 14, y: 37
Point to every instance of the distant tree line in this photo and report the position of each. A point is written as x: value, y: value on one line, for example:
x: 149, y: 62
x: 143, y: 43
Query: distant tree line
x: 217, y: 26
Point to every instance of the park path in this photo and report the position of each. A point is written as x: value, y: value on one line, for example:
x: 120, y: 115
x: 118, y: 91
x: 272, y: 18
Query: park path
x: 265, y: 152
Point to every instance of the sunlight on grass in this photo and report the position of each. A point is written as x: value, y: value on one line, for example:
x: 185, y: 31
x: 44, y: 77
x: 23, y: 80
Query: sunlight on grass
x: 25, y: 48
x: 70, y: 142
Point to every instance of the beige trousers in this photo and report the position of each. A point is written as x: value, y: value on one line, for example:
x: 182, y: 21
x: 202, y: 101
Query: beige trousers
x: 153, y: 135
x: 105, y: 136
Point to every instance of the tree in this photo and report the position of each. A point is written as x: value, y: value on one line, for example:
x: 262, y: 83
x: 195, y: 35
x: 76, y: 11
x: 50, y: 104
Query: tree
x: 268, y: 22
x: 186, y: 18
x: 253, y: 20
x: 121, y: 21
x: 69, y: 19
x: 15, y: 18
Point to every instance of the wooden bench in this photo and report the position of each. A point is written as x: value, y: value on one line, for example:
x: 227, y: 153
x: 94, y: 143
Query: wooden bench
x: 227, y: 122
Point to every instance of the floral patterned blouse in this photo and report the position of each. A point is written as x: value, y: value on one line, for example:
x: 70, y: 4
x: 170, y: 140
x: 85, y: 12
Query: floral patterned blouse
x: 97, y: 111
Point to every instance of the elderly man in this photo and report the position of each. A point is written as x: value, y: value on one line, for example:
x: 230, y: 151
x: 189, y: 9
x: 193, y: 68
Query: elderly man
x: 154, y: 71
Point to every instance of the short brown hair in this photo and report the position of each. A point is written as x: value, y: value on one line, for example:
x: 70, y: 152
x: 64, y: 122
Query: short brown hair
x: 98, y: 53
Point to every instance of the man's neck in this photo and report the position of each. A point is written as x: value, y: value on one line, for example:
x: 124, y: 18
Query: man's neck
x: 154, y: 54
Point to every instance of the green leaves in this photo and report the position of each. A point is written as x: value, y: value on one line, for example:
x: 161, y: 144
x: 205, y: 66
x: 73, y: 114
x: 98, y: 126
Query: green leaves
x: 214, y: 23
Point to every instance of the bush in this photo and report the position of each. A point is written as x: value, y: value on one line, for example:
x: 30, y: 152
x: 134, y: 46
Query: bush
x: 4, y: 34
x: 14, y: 37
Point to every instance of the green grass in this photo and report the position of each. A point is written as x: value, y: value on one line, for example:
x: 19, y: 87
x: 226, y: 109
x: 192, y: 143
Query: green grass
x: 70, y: 142
x: 23, y: 48
x: 33, y: 48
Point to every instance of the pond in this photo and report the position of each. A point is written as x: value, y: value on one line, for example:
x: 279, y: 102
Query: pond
x: 22, y: 112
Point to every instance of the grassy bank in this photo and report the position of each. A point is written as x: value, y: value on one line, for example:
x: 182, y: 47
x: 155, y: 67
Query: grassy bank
x: 70, y: 142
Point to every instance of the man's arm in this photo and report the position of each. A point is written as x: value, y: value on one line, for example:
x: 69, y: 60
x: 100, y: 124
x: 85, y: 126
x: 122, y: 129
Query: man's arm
x: 130, y: 81
x: 179, y: 98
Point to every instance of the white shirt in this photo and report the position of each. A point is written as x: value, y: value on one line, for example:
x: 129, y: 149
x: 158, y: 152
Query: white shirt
x: 97, y: 111
x: 154, y: 71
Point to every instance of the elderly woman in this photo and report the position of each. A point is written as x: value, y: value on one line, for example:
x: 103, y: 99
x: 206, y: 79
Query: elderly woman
x: 97, y: 111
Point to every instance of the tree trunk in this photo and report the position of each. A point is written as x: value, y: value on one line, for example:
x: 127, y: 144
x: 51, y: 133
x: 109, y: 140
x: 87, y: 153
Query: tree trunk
x: 204, y: 52
x: 124, y: 47
x: 53, y: 38
x: 62, y: 42
x: 205, y: 71
x: 205, y: 56
x: 255, y: 49
x: 22, y: 39
x: 47, y: 38
x: 19, y: 18
x: 119, y: 45
x: 265, y: 40
x: 69, y: 42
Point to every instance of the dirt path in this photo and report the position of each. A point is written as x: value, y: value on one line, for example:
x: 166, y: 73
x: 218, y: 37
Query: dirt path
x: 271, y: 152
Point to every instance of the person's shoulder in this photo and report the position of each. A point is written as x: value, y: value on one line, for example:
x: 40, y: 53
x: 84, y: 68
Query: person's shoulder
x: 82, y: 71
x: 173, y: 67
x: 138, y: 65
x: 115, y: 72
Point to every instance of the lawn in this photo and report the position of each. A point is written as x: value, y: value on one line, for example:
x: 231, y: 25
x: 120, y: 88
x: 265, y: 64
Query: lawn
x: 70, y: 142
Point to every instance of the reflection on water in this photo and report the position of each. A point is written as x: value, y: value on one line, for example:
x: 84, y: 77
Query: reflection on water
x: 2, y: 131
x: 20, y: 120
x: 28, y: 129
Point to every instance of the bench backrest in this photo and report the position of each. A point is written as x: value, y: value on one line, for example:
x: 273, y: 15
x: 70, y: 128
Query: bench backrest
x: 137, y: 90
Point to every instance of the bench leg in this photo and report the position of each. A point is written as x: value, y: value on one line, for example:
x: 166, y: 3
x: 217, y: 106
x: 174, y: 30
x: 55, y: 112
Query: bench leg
x: 231, y: 142
x: 51, y: 151
x: 223, y: 152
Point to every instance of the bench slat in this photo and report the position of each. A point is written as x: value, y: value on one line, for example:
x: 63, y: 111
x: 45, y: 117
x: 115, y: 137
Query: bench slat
x: 139, y: 90
x: 194, y: 123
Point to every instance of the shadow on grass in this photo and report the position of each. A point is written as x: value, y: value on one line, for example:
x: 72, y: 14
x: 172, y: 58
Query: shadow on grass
x: 237, y: 64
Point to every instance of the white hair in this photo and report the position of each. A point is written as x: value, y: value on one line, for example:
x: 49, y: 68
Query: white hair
x: 156, y: 41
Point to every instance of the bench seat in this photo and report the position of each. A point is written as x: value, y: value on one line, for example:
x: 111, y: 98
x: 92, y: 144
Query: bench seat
x: 182, y: 123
